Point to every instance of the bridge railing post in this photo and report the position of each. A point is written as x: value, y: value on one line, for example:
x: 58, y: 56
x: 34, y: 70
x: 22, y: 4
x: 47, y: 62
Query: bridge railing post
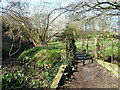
x: 104, y: 50
x: 112, y: 58
x: 82, y: 43
x: 86, y: 46
x: 96, y: 46
x: 65, y: 50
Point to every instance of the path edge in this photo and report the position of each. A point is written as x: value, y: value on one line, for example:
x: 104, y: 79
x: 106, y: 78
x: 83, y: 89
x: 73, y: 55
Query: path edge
x: 111, y: 67
x: 58, y: 77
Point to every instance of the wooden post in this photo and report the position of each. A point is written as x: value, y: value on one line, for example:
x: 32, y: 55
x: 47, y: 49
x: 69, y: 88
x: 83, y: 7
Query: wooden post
x: 86, y: 46
x: 112, y: 52
x: 104, y: 50
x: 82, y: 44
x: 65, y: 51
x: 34, y: 66
x: 96, y: 45
x: 69, y: 47
x: 43, y: 67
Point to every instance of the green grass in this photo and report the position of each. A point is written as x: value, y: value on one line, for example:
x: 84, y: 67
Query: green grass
x: 31, y: 52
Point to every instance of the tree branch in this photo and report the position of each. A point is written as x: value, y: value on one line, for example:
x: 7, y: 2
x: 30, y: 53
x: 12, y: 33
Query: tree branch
x: 51, y: 37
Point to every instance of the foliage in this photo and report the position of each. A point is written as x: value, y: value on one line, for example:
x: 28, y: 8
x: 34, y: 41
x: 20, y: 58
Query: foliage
x: 36, y: 76
x: 70, y: 48
x: 16, y: 77
x: 13, y: 78
x: 43, y: 78
x: 33, y: 78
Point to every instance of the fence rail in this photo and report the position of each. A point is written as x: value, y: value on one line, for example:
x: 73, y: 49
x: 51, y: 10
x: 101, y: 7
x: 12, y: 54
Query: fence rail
x: 97, y: 48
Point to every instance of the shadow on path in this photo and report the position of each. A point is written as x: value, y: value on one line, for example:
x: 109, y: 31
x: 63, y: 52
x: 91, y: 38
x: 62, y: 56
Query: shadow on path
x: 83, y: 58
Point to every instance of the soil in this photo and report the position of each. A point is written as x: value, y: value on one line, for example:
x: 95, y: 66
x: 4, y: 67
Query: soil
x: 92, y: 75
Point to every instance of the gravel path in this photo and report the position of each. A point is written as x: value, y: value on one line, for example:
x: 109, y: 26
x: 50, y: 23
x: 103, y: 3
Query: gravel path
x: 92, y: 75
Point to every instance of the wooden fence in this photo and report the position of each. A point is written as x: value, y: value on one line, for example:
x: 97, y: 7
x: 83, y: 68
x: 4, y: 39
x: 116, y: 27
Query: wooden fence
x: 97, y: 47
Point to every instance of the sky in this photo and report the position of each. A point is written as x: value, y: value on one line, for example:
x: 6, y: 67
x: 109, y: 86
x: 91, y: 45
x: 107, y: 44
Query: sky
x: 51, y: 4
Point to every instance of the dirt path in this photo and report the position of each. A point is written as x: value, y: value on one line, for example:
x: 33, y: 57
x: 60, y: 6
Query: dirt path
x: 92, y: 75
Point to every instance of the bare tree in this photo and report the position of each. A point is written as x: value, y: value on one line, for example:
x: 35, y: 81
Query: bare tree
x: 91, y: 11
x: 33, y: 28
x: 23, y: 26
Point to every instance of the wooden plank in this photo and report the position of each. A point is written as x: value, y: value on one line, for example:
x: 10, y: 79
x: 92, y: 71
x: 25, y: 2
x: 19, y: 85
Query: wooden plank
x: 110, y: 67
x: 58, y: 77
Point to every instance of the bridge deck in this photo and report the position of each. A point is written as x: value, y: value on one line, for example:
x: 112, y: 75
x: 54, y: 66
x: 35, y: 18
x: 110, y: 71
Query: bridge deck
x: 92, y: 75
